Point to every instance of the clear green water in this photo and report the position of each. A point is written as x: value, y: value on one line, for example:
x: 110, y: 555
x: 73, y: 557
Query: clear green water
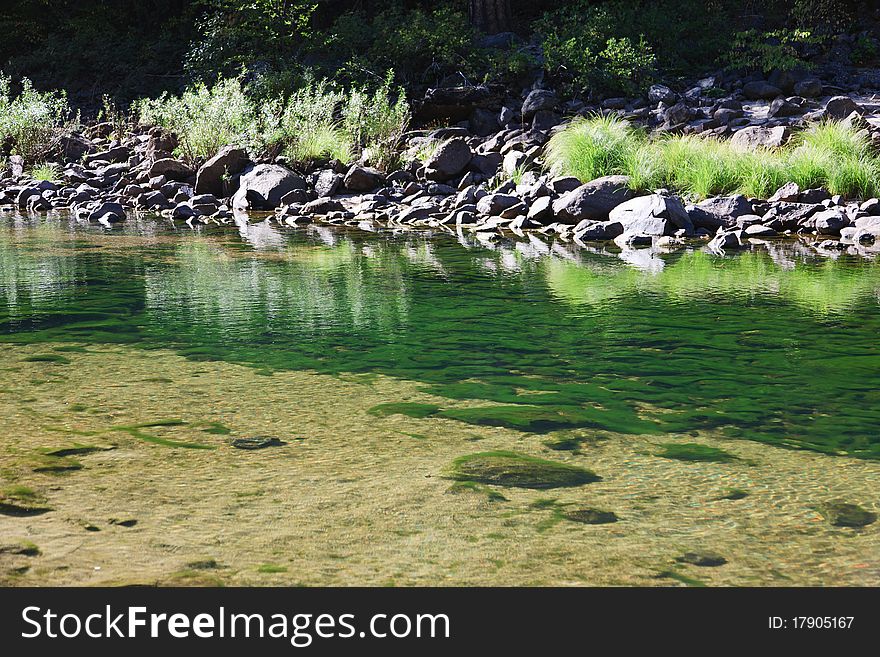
x: 772, y: 346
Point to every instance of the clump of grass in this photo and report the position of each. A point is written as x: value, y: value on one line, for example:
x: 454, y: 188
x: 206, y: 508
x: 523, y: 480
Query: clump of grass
x: 831, y: 155
x: 595, y: 147
x: 204, y: 118
x: 29, y: 120
x: 46, y: 171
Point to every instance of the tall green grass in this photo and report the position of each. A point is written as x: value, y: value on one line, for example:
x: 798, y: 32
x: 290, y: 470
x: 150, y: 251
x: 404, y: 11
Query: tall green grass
x: 829, y: 155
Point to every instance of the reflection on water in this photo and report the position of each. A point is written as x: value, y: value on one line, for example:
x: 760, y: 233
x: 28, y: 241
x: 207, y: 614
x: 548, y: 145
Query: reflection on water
x: 771, y: 345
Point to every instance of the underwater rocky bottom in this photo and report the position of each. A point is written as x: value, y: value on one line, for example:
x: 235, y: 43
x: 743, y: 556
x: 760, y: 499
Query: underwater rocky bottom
x: 341, y: 408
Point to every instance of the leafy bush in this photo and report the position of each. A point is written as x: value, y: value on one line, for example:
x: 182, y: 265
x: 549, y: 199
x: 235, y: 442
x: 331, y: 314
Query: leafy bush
x: 829, y: 155
x: 422, y: 47
x: 304, y: 127
x: 780, y: 49
x: 205, y: 119
x: 613, y: 46
x: 30, y: 120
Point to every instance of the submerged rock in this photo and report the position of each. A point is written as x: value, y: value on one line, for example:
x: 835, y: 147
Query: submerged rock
x: 257, y: 442
x: 519, y: 470
x: 843, y: 514
x: 590, y: 516
x: 702, y: 559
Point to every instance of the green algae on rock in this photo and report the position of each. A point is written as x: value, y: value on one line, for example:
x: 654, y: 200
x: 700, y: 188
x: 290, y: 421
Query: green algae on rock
x: 518, y: 470
x: 702, y: 558
x: 411, y: 409
x: 590, y: 516
x: 843, y: 514
x: 22, y: 501
x: 459, y: 487
x: 695, y: 452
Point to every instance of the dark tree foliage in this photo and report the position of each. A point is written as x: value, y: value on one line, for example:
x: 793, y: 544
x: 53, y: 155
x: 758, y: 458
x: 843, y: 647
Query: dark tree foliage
x: 132, y: 48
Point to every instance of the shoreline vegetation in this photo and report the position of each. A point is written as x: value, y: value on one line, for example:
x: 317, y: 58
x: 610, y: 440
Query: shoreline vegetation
x: 565, y: 121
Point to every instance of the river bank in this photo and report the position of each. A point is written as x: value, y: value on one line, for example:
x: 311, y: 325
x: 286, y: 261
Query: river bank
x: 509, y: 173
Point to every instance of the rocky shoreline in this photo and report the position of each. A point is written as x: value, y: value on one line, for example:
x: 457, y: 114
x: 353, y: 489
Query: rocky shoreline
x: 485, y: 174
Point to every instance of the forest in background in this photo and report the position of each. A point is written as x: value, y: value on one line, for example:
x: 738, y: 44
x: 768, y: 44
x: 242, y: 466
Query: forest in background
x: 128, y: 49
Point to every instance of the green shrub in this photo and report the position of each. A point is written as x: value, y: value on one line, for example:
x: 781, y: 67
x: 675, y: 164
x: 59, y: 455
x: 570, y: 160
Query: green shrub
x: 423, y: 47
x: 766, y: 51
x: 829, y: 155
x: 614, y: 46
x: 304, y: 127
x: 205, y: 118
x: 376, y: 121
x: 320, y: 121
x: 30, y: 120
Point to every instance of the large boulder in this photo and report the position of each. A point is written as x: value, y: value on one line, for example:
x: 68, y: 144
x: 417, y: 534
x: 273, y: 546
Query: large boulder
x: 713, y: 213
x: 450, y: 159
x: 453, y: 103
x: 840, y: 107
x: 536, y: 101
x: 115, y: 154
x: 758, y: 136
x: 214, y: 175
x: 655, y: 214
x: 262, y: 187
x: 761, y: 90
x: 593, y: 200
x: 658, y: 93
x: 362, y: 179
x: 172, y: 169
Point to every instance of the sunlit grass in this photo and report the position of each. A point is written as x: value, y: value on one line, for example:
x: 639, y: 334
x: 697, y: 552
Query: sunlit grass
x: 829, y: 155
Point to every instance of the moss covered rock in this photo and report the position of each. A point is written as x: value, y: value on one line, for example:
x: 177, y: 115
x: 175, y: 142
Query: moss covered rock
x: 519, y: 470
x: 695, y: 452
x: 22, y: 501
x: 590, y: 516
x: 843, y: 514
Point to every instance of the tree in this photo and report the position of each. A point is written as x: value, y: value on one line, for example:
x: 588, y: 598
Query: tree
x: 490, y: 16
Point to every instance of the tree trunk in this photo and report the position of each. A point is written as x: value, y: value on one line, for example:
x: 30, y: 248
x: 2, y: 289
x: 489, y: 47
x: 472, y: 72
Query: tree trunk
x: 490, y: 16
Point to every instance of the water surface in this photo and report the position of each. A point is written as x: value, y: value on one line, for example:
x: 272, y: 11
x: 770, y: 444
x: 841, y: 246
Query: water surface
x: 770, y: 354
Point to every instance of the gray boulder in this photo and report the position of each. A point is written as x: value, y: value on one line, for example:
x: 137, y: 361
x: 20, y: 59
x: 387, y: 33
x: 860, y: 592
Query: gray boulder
x: 755, y: 137
x: 327, y: 182
x: 262, y: 187
x: 117, y: 154
x: 713, y: 213
x: 760, y: 90
x: 495, y: 204
x: 537, y: 100
x: 450, y: 159
x: 829, y: 222
x: 809, y: 88
x: 215, y: 175
x: 593, y: 200
x: 108, y: 212
x: 362, y: 179
x: 172, y: 169
x: 658, y: 93
x: 655, y: 214
x: 840, y: 107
